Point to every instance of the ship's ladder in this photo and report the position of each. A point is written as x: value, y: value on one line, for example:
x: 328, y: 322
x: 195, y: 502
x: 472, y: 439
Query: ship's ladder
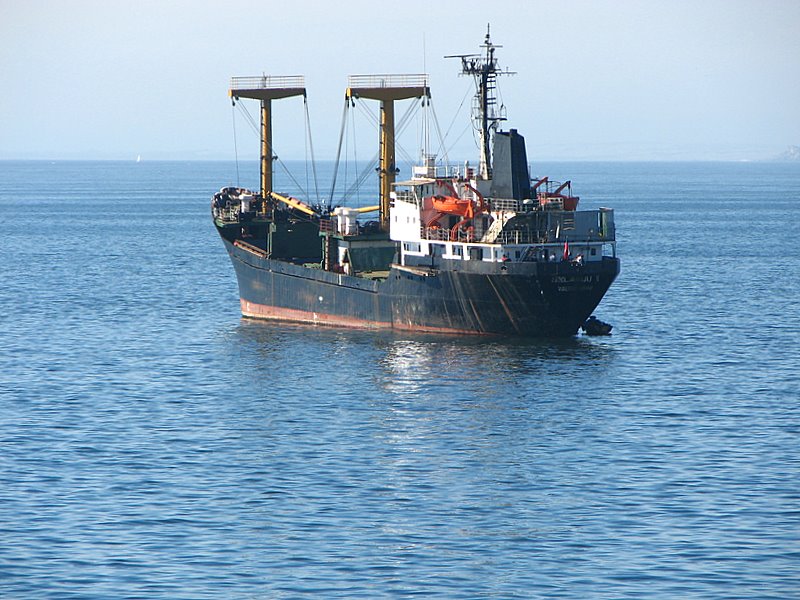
x: 497, y: 227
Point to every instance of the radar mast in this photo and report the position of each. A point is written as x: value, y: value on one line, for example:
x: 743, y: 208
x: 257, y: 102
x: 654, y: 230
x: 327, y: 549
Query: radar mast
x: 486, y: 114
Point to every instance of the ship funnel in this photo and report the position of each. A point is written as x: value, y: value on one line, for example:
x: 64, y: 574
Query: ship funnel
x: 510, y: 177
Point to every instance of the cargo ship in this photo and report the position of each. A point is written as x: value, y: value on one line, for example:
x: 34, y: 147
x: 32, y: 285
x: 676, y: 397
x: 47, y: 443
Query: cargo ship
x: 454, y: 249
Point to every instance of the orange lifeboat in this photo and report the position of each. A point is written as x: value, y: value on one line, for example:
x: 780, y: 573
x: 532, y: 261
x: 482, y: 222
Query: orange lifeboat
x: 450, y: 205
x: 454, y: 204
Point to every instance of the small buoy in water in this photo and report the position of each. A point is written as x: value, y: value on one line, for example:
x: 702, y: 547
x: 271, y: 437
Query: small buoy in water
x: 594, y: 326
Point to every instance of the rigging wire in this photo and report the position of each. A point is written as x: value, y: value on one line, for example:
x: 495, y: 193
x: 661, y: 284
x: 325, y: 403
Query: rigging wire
x: 355, y: 153
x: 443, y: 139
x: 257, y: 130
x: 369, y: 169
x: 253, y: 125
x: 425, y: 133
x: 235, y: 144
x: 338, y: 153
x: 354, y: 188
x: 346, y: 132
x: 372, y: 118
x: 344, y: 138
x: 442, y: 147
x: 467, y: 127
x: 403, y: 124
x: 367, y: 172
x: 305, y: 143
x: 313, y: 158
x: 303, y: 191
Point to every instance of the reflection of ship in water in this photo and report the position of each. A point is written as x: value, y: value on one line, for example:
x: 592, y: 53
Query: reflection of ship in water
x: 431, y: 369
x: 420, y: 372
x: 453, y: 250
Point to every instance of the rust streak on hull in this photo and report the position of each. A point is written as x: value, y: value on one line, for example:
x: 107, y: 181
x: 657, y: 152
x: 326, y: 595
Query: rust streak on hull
x: 254, y: 310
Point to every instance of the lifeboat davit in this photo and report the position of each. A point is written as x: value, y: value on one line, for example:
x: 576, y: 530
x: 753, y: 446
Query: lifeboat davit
x: 566, y: 201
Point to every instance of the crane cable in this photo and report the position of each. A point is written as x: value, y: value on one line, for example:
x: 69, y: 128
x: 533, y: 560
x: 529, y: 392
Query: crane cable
x: 313, y: 158
x: 256, y: 129
x: 235, y: 144
x: 338, y: 153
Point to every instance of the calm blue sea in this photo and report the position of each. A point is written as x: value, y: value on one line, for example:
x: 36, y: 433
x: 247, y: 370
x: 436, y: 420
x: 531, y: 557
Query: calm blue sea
x: 155, y: 445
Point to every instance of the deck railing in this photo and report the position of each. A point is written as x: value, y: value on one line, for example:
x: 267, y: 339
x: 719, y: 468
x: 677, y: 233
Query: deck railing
x: 267, y: 82
x: 387, y: 81
x: 505, y: 204
x: 435, y: 233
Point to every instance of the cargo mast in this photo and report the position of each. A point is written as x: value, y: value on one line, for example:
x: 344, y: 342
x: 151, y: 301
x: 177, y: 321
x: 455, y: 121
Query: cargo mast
x: 266, y: 89
x: 387, y: 89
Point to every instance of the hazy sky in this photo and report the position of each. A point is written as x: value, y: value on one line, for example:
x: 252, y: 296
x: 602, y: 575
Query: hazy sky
x: 595, y: 80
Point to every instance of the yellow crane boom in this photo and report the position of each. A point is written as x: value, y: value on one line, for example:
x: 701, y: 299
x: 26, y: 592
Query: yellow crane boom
x: 294, y: 203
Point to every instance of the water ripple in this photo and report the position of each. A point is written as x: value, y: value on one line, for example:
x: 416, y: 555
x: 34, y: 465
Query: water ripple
x: 154, y: 444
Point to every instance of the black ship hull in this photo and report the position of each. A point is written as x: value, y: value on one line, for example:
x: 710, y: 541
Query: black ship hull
x: 462, y: 297
x: 486, y: 252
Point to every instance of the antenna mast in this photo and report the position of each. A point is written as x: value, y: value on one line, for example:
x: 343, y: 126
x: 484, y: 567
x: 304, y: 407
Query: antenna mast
x: 485, y: 112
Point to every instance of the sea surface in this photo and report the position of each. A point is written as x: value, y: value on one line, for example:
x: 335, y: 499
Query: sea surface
x: 154, y: 444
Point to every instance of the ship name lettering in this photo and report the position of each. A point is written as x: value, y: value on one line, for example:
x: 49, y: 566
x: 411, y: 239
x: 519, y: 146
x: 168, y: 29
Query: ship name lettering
x: 573, y: 280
